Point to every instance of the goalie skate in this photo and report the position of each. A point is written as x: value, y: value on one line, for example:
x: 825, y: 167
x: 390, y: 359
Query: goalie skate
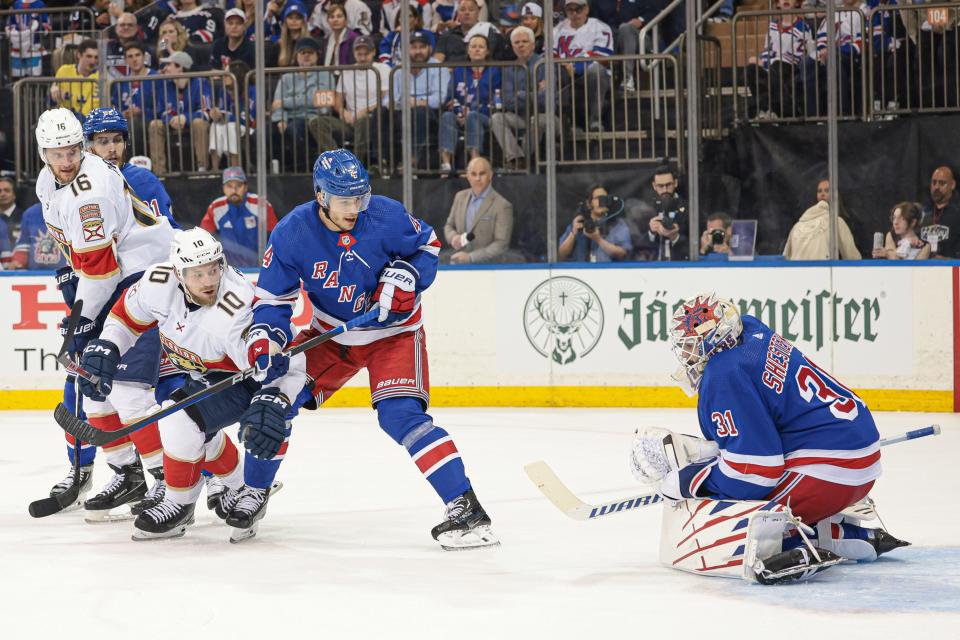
x: 794, y: 565
x: 249, y: 508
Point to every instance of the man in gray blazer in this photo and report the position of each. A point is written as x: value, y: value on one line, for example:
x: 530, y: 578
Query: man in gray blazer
x: 481, y: 220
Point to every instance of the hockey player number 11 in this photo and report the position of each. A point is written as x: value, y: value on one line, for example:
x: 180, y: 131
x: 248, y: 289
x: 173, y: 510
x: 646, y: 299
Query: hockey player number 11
x: 810, y: 381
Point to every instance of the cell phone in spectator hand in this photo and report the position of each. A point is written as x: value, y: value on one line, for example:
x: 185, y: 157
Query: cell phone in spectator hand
x: 878, y: 240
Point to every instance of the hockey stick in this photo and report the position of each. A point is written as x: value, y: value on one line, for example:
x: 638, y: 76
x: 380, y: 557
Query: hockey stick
x: 55, y: 504
x: 566, y: 501
x: 87, y: 432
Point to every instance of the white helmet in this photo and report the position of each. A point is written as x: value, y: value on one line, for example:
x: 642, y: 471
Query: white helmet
x: 702, y: 327
x: 193, y: 248
x: 58, y: 128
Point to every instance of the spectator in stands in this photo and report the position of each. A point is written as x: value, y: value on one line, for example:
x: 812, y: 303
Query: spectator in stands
x: 36, y: 248
x: 390, y: 8
x: 531, y: 17
x: 338, y: 46
x: 715, y: 239
x: 234, y: 45
x: 809, y: 238
x: 444, y: 15
x: 594, y: 235
x: 293, y: 28
x: 627, y: 19
x: 518, y: 95
x: 234, y: 219
x: 581, y: 36
x: 425, y: 91
x: 358, y: 17
x: 668, y: 229
x: 509, y: 20
x: 941, y: 217
x: 469, y: 101
x: 225, y: 128
x: 203, y: 24
x: 126, y: 32
x: 452, y: 45
x: 480, y: 222
x: 24, y: 35
x: 249, y: 8
x: 778, y: 77
x: 10, y: 212
x: 135, y: 98
x: 300, y: 97
x: 152, y: 16
x: 390, y: 51
x: 902, y: 241
x: 181, y: 106
x: 850, y: 35
x: 79, y: 97
x: 357, y: 105
x: 173, y: 38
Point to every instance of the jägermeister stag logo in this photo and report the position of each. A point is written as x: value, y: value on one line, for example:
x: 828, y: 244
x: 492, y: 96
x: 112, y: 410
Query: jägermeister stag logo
x: 563, y: 319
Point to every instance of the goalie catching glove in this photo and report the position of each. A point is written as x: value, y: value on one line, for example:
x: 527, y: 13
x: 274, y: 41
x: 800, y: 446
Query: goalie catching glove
x: 265, y: 353
x: 396, y: 292
x: 100, y: 358
x: 661, y: 457
x: 263, y: 426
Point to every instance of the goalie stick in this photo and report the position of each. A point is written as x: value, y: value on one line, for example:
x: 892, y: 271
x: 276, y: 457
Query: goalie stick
x: 88, y: 433
x: 55, y: 504
x: 566, y: 501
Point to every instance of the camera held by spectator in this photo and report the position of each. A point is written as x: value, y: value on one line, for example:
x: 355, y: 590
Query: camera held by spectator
x: 598, y: 232
x: 668, y: 228
x: 716, y: 236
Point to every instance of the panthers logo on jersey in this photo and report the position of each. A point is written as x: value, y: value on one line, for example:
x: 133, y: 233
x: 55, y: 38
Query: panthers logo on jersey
x: 183, y: 359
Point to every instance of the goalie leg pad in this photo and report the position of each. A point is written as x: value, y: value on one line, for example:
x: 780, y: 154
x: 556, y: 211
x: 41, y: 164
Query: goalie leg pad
x: 720, y: 537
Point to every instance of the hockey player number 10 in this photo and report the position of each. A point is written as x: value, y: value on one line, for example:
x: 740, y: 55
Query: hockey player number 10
x: 810, y: 381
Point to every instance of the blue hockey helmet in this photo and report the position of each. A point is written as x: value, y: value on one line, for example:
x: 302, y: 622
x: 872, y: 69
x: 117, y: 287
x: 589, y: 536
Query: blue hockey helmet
x: 102, y: 120
x: 339, y: 173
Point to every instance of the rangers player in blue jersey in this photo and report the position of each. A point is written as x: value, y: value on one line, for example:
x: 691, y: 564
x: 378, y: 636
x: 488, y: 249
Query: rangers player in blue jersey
x: 777, y: 429
x: 351, y: 250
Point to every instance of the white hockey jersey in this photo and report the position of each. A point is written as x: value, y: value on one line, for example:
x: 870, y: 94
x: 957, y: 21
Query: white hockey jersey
x: 105, y: 231
x: 593, y: 38
x: 196, y: 339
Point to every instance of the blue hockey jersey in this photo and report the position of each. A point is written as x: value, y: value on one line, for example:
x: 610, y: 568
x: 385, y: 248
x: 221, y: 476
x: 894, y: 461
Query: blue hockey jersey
x: 772, y: 411
x: 36, y: 248
x: 340, y: 271
x: 149, y: 189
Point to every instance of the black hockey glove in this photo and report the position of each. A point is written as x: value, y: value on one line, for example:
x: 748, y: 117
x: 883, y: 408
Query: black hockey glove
x: 86, y: 328
x: 67, y: 284
x: 263, y: 426
x: 100, y: 358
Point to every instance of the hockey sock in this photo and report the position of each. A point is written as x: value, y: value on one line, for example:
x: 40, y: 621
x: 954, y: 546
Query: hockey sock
x: 258, y: 473
x: 431, y: 447
x: 223, y: 460
x: 182, y: 478
x: 120, y: 452
x: 88, y: 452
x: 147, y: 442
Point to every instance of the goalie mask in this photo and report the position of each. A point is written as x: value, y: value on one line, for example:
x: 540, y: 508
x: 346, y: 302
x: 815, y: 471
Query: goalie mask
x: 702, y: 327
x: 192, y: 254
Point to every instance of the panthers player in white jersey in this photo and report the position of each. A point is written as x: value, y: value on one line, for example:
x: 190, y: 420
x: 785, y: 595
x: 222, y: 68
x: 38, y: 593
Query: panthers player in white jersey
x: 109, y: 237
x: 203, y: 310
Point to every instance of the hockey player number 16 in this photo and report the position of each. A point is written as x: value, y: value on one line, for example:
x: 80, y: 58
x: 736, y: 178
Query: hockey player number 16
x: 811, y: 383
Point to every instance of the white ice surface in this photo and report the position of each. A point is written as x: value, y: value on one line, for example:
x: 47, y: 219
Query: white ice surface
x: 345, y: 550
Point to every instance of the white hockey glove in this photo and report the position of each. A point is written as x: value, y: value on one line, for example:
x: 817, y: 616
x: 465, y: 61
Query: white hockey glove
x: 657, y: 452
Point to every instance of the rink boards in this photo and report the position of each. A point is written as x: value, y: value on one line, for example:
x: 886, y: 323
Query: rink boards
x: 599, y: 336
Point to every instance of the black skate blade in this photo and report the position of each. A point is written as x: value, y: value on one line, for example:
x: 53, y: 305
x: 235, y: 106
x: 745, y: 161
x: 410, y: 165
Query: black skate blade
x: 80, y: 429
x: 55, y: 504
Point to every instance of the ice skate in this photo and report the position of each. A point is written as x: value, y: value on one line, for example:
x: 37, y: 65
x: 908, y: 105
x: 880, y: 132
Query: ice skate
x: 154, y: 495
x: 225, y: 501
x: 166, y: 520
x: 127, y: 486
x: 795, y: 564
x: 215, y: 488
x: 86, y: 483
x: 883, y: 542
x: 250, y: 507
x: 466, y: 525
